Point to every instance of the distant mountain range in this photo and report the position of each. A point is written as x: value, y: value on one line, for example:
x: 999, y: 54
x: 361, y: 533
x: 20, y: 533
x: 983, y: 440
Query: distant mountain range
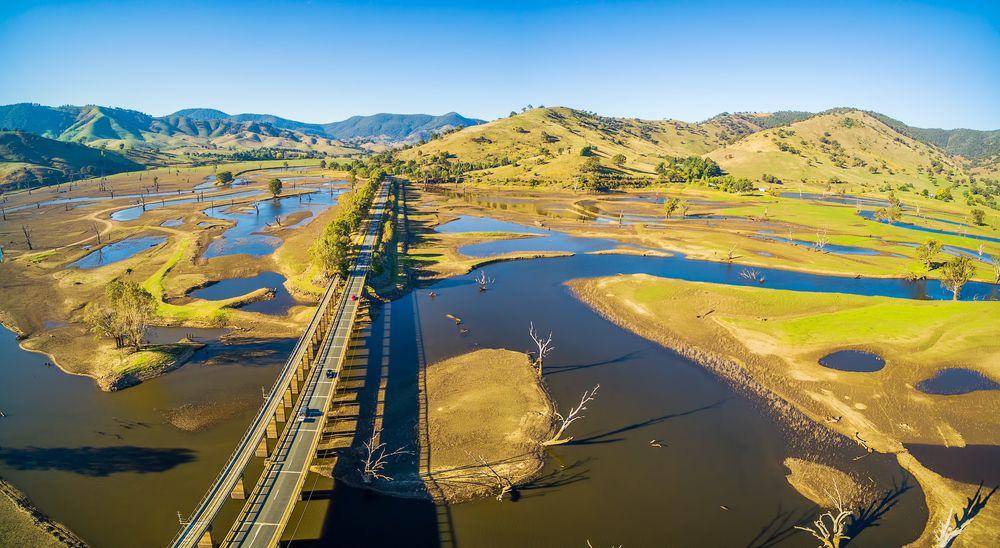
x: 195, y: 136
x: 377, y: 127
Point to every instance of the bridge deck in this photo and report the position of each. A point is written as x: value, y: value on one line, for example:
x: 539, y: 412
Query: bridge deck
x: 262, y: 519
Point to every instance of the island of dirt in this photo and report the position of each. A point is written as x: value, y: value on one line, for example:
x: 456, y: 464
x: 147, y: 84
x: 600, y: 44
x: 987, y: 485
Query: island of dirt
x: 488, y: 415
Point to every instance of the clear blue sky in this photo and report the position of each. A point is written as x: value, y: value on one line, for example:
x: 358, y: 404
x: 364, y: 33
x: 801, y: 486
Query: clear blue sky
x: 931, y: 64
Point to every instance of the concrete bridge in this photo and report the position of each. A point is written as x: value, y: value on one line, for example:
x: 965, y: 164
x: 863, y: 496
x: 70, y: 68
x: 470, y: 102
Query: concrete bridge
x: 298, y: 401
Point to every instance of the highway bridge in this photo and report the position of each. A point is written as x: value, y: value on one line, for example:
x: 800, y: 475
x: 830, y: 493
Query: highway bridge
x: 298, y: 400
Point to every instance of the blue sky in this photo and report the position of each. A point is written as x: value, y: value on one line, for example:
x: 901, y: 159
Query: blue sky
x: 931, y: 64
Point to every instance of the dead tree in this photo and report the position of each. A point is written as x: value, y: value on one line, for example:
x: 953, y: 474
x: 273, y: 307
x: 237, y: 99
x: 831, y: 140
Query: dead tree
x: 732, y: 254
x: 544, y: 346
x: 829, y: 528
x: 996, y: 268
x: 27, y: 236
x: 949, y: 532
x: 376, y: 457
x: 751, y: 275
x: 484, y: 280
x: 504, y: 485
x: 822, y: 240
x: 571, y: 417
x: 97, y: 232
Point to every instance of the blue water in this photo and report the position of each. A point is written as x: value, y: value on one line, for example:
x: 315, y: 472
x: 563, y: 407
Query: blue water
x: 957, y: 380
x: 834, y: 248
x: 89, y: 199
x: 469, y: 223
x: 680, y: 267
x: 172, y: 222
x: 234, y: 287
x: 857, y: 361
x: 118, y: 251
x: 133, y: 213
x: 245, y: 237
x: 844, y: 199
x: 870, y: 215
x: 210, y: 183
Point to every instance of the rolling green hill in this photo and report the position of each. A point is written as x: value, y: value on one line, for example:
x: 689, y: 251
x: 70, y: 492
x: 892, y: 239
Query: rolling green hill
x: 839, y: 145
x: 27, y: 160
x: 544, y: 145
x: 969, y: 143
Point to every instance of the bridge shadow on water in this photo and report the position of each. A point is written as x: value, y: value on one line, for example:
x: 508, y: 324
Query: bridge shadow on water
x: 96, y: 461
x: 390, y: 399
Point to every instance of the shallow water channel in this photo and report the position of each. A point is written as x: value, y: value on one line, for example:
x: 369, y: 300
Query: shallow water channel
x: 246, y: 236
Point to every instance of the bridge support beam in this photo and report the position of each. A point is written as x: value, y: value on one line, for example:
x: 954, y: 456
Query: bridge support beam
x: 262, y: 450
x: 279, y: 412
x: 294, y: 386
x: 272, y: 428
x: 239, y: 490
x: 206, y: 539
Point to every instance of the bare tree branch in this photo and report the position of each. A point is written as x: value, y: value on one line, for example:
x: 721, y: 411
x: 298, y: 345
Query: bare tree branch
x: 572, y: 416
x: 544, y: 346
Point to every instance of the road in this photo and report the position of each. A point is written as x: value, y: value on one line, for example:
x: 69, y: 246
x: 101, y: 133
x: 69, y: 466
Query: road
x: 268, y: 506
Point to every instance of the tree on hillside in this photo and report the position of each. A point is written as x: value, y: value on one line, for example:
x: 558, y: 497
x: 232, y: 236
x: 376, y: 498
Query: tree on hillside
x: 27, y: 236
x: 224, y: 177
x: 274, y: 187
x: 956, y: 273
x: 322, y: 164
x: 927, y: 252
x: 671, y: 205
x: 124, y: 314
x: 587, y: 150
x: 978, y: 216
x: 618, y: 160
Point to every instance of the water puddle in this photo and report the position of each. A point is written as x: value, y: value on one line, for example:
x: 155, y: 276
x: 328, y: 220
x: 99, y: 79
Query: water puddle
x: 133, y: 213
x: 172, y: 222
x: 168, y: 335
x: 470, y: 223
x: 956, y: 380
x: 857, y: 361
x: 118, y: 251
x: 832, y: 248
x: 870, y: 215
x: 247, y: 236
x: 842, y: 199
x: 235, y: 287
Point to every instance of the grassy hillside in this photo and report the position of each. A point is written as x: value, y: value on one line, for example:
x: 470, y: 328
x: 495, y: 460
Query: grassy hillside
x: 544, y: 145
x: 968, y: 143
x: 31, y: 160
x: 842, y: 145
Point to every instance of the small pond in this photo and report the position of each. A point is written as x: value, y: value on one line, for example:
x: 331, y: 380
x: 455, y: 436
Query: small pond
x: 870, y: 215
x: 246, y: 236
x: 858, y: 361
x: 133, y: 213
x: 118, y: 251
x: 833, y: 248
x: 234, y: 287
x: 470, y: 223
x: 172, y: 222
x: 844, y: 199
x: 956, y: 380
